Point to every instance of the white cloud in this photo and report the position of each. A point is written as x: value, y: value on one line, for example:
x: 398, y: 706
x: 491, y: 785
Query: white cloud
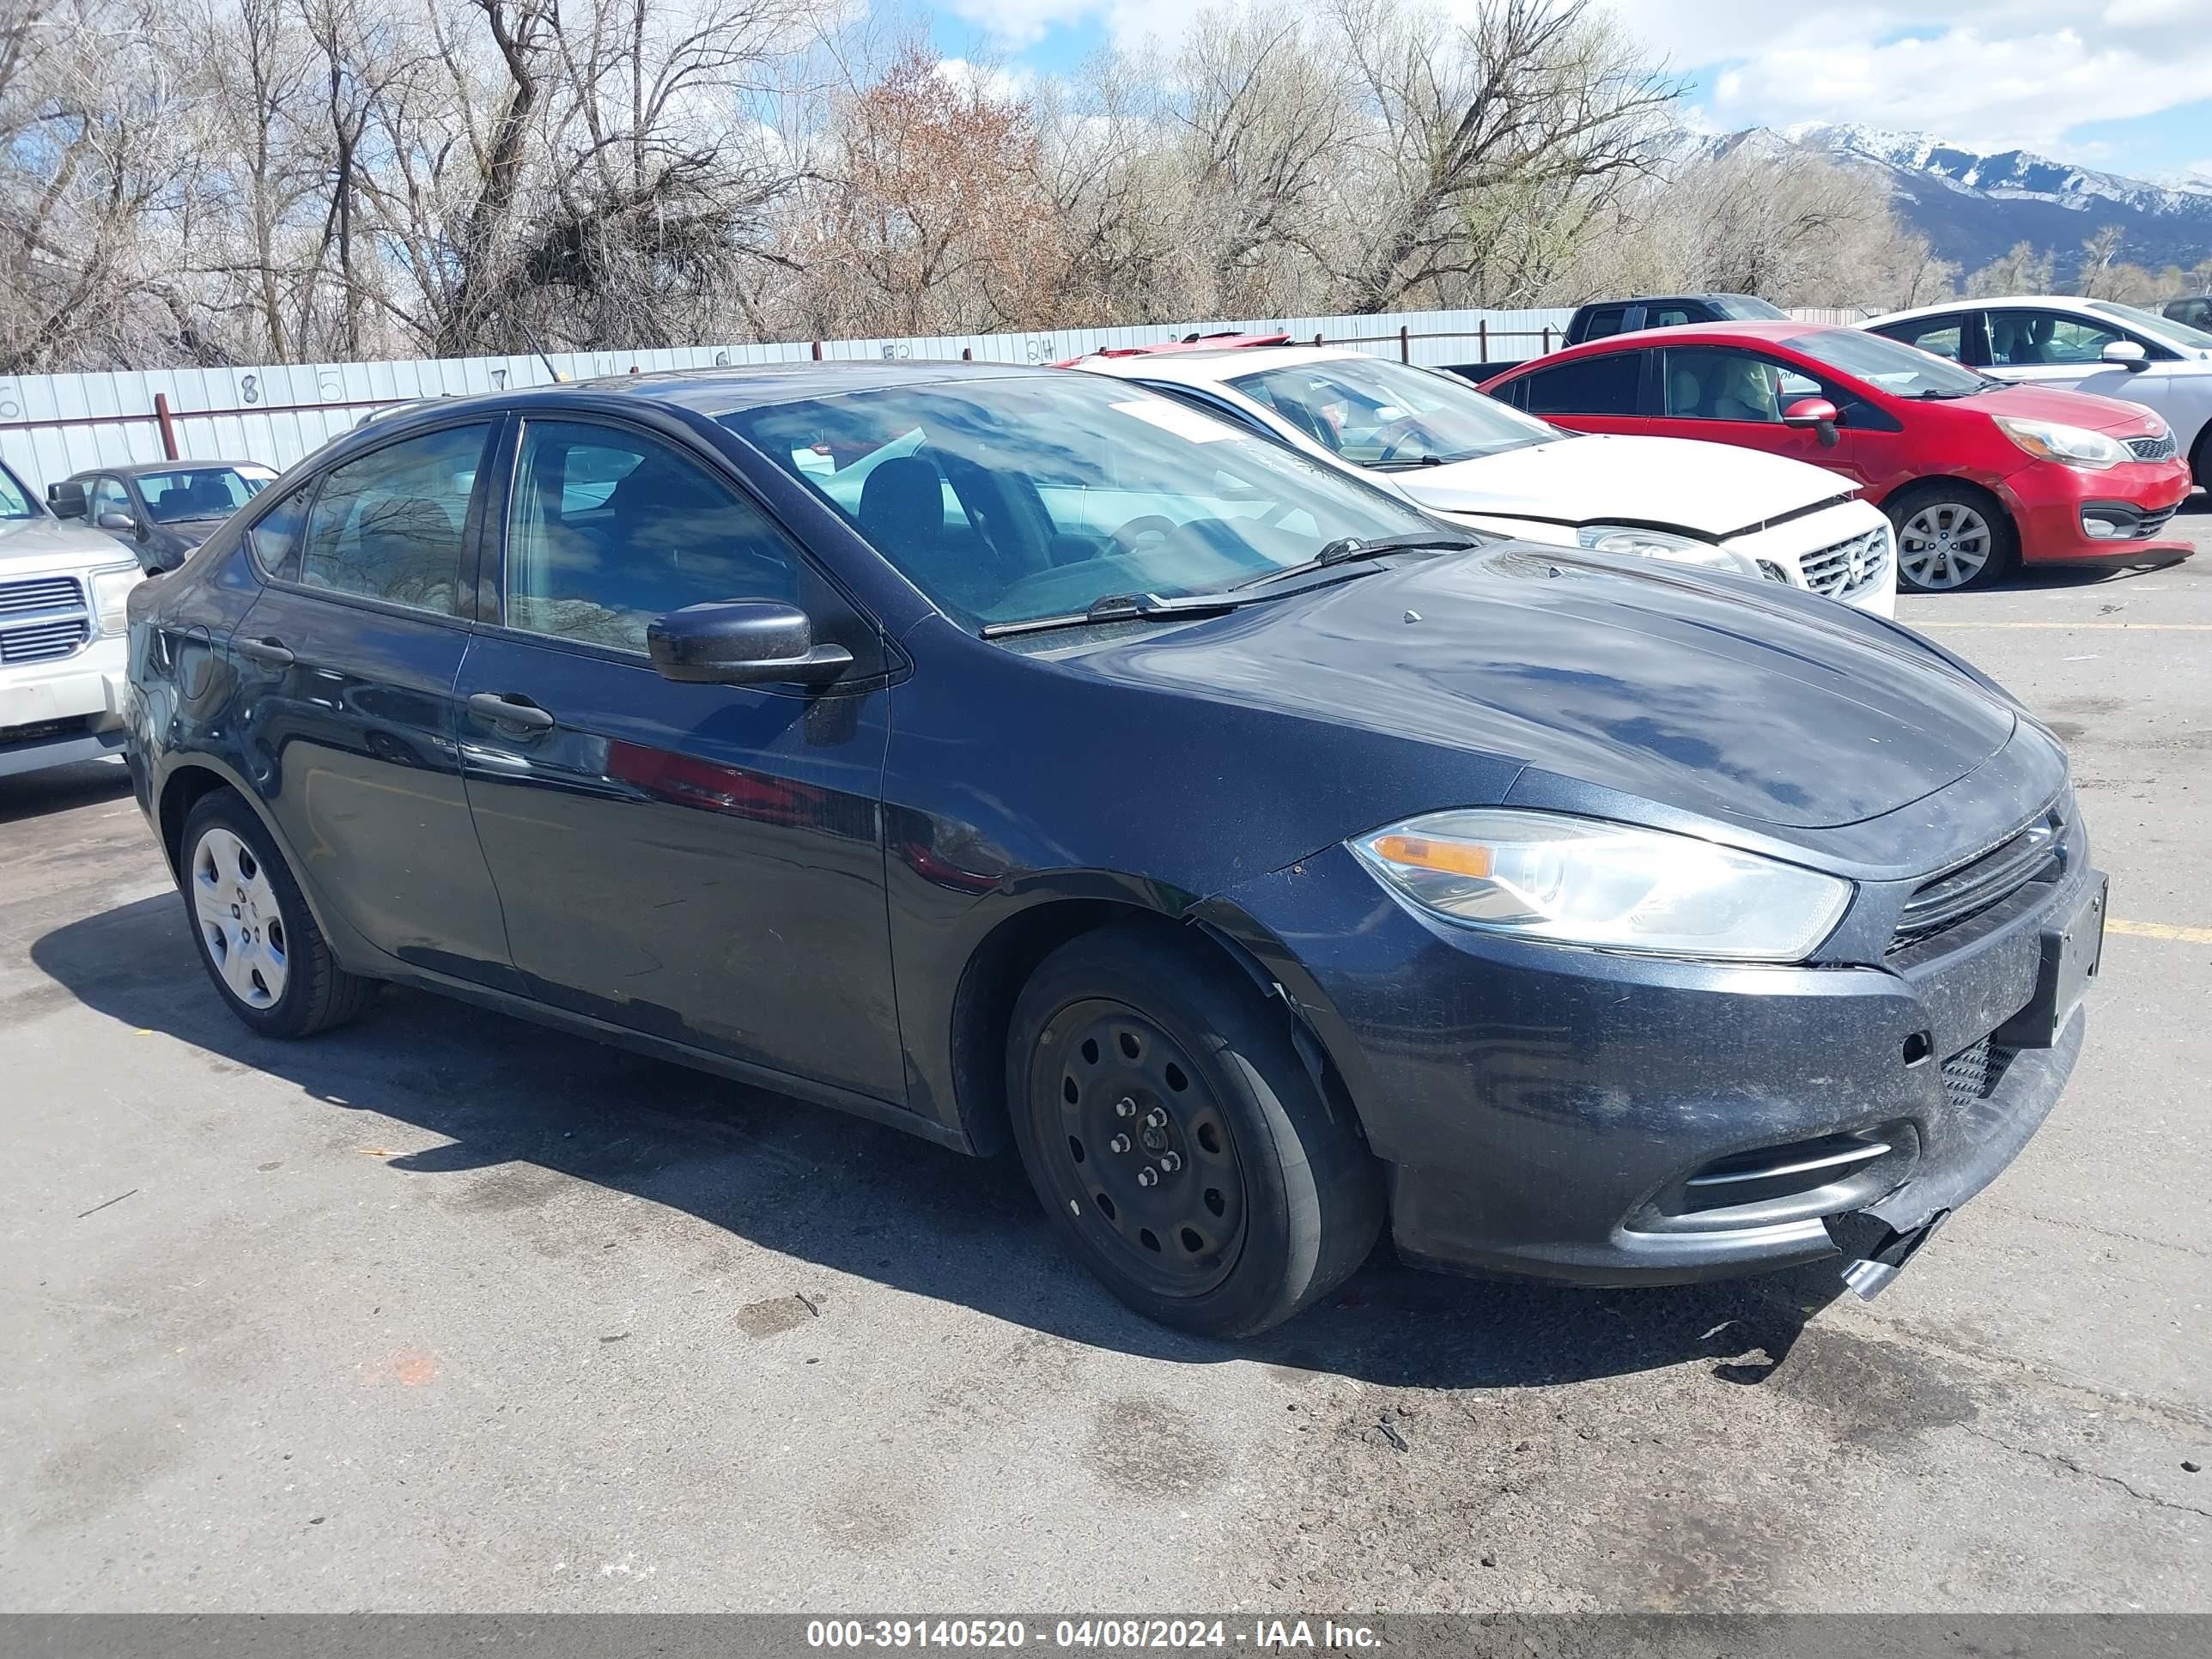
x: 1989, y: 74
x: 995, y: 81
x: 1982, y: 89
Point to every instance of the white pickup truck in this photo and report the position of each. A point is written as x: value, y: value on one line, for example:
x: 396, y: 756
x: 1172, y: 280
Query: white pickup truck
x: 62, y: 649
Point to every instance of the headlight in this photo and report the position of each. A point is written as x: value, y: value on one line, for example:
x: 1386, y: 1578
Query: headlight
x: 1584, y: 881
x: 1630, y: 538
x: 2075, y: 445
x: 111, y: 592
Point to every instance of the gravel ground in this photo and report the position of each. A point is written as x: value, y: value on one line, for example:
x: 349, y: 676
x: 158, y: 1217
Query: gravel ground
x: 445, y: 1312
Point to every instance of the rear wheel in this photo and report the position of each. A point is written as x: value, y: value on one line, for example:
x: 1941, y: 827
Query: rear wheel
x: 1950, y: 536
x: 257, y: 938
x: 1178, y: 1142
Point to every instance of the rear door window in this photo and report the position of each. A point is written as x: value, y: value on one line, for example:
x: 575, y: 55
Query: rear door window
x: 1605, y: 320
x: 388, y: 526
x: 1945, y: 337
x: 1604, y: 385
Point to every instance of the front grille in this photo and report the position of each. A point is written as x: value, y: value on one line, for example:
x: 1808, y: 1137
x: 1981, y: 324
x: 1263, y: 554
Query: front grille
x: 43, y: 641
x: 2151, y: 523
x: 2160, y: 448
x: 1972, y: 1074
x: 1847, y: 567
x: 41, y: 593
x: 2034, y: 851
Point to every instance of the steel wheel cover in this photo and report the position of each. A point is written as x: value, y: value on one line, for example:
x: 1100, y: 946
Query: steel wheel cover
x: 1140, y: 1152
x: 1945, y: 545
x: 241, y: 925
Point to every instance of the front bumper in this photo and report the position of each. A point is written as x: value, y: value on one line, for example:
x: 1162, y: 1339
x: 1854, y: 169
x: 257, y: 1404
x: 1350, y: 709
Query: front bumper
x: 1608, y: 1119
x: 52, y: 713
x: 2049, y: 502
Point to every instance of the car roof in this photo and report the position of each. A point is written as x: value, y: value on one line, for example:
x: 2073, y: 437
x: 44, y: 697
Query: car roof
x: 2046, y: 302
x: 1662, y: 299
x: 717, y: 392
x: 1214, y: 367
x: 140, y: 469
x: 1770, y: 333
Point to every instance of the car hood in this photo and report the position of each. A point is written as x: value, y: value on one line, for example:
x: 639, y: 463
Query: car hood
x: 2047, y: 402
x: 1708, y: 696
x: 45, y: 542
x: 1715, y: 489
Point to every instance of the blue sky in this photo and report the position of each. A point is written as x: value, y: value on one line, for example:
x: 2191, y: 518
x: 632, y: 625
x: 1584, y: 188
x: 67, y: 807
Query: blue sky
x: 2116, y: 84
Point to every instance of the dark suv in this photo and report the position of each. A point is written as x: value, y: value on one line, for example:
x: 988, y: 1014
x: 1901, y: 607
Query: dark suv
x: 1010, y: 753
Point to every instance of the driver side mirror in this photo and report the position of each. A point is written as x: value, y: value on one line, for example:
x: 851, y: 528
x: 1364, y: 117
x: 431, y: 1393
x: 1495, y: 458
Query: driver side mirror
x: 743, y: 642
x: 1818, y: 413
x: 2127, y: 354
x: 67, y: 500
x: 122, y: 523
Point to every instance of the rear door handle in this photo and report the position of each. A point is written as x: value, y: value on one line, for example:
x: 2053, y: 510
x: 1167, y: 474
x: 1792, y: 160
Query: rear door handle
x: 270, y: 654
x: 509, y: 708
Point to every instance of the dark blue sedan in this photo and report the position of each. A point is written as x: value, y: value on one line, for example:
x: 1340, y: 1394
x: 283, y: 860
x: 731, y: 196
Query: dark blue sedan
x: 1006, y: 753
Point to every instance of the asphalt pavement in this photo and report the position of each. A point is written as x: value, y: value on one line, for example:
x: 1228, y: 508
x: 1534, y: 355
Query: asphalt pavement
x: 445, y: 1312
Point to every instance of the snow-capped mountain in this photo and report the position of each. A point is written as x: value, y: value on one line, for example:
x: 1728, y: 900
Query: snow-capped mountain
x: 1973, y: 206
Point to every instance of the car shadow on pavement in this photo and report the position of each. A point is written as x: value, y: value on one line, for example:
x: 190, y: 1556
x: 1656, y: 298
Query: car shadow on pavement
x: 35, y: 794
x: 2032, y: 578
x: 512, y: 1100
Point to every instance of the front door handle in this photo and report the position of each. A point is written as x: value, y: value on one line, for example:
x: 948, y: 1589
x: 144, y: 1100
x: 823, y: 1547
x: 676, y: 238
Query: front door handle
x: 270, y: 654
x: 509, y: 708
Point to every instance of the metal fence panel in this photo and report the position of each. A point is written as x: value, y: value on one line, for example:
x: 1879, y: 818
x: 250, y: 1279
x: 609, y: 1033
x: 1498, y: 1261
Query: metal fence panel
x: 53, y: 425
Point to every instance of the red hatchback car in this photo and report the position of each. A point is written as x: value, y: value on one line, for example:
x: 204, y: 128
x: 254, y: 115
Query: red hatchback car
x: 1973, y: 472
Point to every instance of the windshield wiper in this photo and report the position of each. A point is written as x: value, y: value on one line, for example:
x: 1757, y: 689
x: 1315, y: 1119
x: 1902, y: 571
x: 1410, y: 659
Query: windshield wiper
x: 1120, y: 607
x: 1403, y: 461
x: 1345, y: 549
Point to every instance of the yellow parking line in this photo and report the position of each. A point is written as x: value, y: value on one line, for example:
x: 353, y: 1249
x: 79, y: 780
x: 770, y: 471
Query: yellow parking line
x: 2138, y: 628
x: 2160, y: 930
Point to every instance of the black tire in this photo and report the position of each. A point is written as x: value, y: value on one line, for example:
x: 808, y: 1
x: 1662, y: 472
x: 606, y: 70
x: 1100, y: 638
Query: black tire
x: 1270, y: 1198
x: 312, y: 992
x: 1942, y: 499
x: 2200, y: 458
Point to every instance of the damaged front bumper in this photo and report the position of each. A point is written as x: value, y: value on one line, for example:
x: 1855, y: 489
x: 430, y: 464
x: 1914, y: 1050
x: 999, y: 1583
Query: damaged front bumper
x: 1611, y: 1120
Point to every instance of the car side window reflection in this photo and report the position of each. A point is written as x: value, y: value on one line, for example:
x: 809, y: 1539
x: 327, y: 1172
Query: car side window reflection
x: 275, y: 538
x: 1943, y: 336
x: 388, y: 526
x: 610, y: 529
x: 2028, y: 339
x: 108, y: 495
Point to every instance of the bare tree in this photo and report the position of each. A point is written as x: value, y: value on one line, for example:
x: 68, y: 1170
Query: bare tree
x: 1540, y: 105
x: 2021, y: 268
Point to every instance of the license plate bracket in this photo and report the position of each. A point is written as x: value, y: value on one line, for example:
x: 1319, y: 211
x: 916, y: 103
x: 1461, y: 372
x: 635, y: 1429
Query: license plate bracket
x: 2071, y: 953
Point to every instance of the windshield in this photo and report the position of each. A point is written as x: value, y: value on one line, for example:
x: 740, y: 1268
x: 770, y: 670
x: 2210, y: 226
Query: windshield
x: 1748, y: 308
x: 16, y: 502
x: 2164, y: 328
x: 201, y: 492
x: 1377, y: 413
x: 1903, y: 371
x: 1008, y: 500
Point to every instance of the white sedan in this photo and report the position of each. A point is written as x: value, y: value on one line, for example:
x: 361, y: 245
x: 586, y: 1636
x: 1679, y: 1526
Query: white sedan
x: 2098, y: 346
x: 1437, y: 440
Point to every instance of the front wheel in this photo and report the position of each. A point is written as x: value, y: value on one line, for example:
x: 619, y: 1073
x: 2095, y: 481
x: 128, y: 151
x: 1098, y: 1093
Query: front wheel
x: 1178, y: 1142
x: 1950, y: 538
